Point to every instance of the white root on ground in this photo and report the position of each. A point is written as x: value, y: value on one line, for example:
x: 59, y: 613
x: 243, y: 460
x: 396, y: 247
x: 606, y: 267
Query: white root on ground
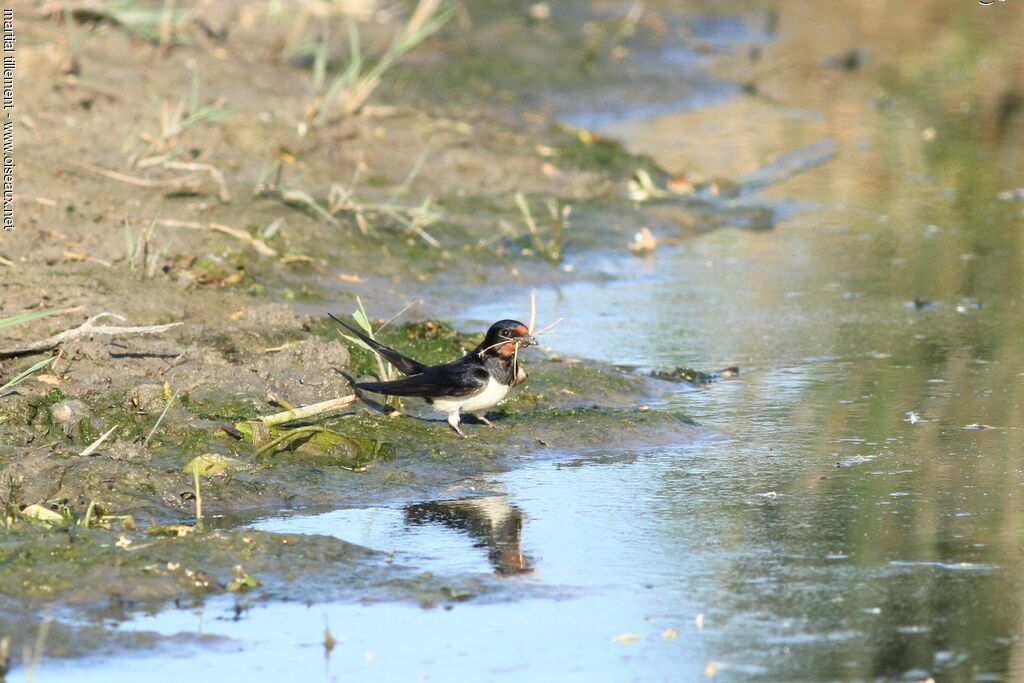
x: 88, y: 328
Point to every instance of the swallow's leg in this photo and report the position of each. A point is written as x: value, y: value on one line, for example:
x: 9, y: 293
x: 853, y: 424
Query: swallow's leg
x: 453, y: 420
x: 482, y: 418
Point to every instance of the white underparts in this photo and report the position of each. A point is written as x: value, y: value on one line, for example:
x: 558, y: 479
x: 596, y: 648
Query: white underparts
x: 493, y: 393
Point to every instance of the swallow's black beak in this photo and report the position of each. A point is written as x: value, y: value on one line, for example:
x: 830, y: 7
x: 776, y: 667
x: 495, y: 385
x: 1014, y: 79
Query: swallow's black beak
x: 528, y: 340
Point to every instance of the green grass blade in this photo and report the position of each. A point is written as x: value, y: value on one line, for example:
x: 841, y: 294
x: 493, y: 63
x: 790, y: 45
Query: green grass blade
x: 362, y: 319
x: 415, y: 171
x: 25, y: 374
x: 355, y: 52
x: 129, y: 245
x: 320, y: 64
x: 357, y: 341
x: 28, y: 317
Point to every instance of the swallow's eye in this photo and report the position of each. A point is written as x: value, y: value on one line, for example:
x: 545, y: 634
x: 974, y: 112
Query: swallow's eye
x: 506, y: 333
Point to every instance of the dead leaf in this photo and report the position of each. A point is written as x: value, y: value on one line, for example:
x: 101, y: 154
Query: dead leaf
x: 346, y: 277
x: 285, y: 156
x: 213, y: 464
x: 234, y: 278
x: 41, y: 513
x: 282, y: 347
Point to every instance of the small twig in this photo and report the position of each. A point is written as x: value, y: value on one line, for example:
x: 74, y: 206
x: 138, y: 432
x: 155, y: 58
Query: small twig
x: 392, y: 318
x: 257, y: 244
x: 96, y: 444
x: 282, y: 347
x: 501, y: 343
x: 307, y: 411
x: 533, y: 310
x: 199, y: 499
x: 218, y: 177
x: 87, y: 328
x: 547, y: 329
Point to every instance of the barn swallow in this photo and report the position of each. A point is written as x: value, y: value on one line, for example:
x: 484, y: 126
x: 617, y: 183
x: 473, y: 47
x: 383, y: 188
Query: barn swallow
x: 491, y: 521
x: 479, y: 380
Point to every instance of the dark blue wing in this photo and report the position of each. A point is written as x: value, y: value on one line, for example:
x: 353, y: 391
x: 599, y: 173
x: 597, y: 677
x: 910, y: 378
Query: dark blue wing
x: 454, y: 379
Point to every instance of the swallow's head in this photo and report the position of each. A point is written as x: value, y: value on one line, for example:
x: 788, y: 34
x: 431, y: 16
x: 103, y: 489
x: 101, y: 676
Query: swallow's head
x: 505, y: 336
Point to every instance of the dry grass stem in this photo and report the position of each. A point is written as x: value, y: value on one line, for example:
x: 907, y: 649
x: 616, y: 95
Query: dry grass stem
x: 161, y: 418
x: 218, y: 177
x: 306, y: 412
x: 184, y: 181
x: 254, y: 242
x: 89, y: 327
x: 96, y: 444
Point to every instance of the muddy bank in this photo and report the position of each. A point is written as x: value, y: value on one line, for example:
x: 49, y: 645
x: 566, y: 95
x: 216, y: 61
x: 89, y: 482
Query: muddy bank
x: 183, y: 182
x: 114, y: 515
x: 99, y: 577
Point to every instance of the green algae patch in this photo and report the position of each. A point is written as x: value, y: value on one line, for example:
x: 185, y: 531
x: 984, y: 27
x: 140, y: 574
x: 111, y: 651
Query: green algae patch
x: 121, y: 481
x: 214, y: 464
x: 566, y: 383
x: 26, y: 419
x: 92, y: 565
x: 313, y: 444
x: 586, y: 151
x: 101, y: 572
x: 526, y: 434
x: 219, y: 408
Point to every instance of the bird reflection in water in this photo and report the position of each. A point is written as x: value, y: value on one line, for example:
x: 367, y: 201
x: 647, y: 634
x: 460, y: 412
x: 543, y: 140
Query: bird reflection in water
x: 492, y: 522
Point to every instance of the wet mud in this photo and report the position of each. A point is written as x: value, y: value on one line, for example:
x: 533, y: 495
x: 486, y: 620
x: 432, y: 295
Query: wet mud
x: 88, y: 536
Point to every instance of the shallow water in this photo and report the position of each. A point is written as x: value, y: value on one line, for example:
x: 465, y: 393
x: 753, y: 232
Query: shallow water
x: 861, y: 514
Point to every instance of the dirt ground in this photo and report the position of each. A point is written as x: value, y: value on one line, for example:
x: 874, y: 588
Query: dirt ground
x: 169, y: 171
